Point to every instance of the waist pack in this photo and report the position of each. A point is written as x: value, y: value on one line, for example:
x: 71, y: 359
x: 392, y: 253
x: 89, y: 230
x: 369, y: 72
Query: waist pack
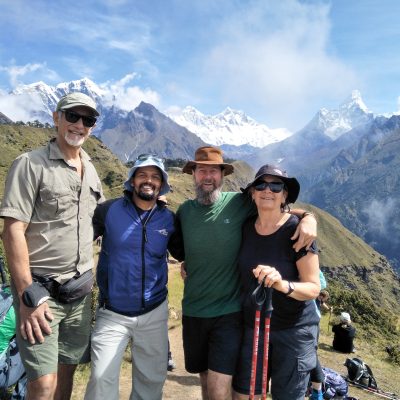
x: 74, y: 289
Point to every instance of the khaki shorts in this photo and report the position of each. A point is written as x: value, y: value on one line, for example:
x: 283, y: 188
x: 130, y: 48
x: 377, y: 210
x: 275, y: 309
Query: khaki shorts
x: 67, y: 344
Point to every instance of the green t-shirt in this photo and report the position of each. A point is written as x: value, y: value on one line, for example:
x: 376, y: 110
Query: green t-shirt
x: 212, y: 235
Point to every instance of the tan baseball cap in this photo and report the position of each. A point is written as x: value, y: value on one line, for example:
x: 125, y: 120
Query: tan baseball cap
x: 76, y: 99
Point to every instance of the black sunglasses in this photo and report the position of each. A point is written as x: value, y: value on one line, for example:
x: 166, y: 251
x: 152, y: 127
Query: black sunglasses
x: 275, y: 187
x: 144, y: 157
x: 73, y: 117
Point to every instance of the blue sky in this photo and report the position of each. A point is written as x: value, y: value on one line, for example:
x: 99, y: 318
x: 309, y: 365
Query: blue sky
x: 277, y: 60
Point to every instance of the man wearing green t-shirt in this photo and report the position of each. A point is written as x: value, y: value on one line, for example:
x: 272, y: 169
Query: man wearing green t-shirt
x: 211, y: 228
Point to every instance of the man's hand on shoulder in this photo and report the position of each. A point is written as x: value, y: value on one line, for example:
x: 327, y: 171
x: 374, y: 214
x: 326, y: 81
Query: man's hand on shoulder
x: 34, y: 322
x: 305, y: 233
x: 163, y: 199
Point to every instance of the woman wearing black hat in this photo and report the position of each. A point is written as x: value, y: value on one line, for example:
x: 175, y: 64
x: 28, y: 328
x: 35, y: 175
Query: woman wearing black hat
x: 267, y: 255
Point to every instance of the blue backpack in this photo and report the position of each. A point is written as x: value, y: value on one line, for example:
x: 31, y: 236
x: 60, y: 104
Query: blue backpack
x: 12, y: 371
x: 334, y: 386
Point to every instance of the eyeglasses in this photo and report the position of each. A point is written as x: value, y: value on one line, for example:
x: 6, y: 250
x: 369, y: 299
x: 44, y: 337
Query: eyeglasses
x: 144, y: 157
x: 275, y: 187
x: 73, y: 117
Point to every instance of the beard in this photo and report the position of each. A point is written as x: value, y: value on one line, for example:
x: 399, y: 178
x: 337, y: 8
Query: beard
x: 76, y: 141
x: 208, y: 197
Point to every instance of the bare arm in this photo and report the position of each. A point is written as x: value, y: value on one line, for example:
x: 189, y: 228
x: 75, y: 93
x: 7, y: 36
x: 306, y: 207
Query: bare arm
x: 306, y: 231
x: 33, y: 321
x: 306, y: 289
x: 325, y: 307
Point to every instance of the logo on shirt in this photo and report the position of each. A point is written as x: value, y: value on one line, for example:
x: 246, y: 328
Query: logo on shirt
x: 163, y: 232
x: 227, y: 221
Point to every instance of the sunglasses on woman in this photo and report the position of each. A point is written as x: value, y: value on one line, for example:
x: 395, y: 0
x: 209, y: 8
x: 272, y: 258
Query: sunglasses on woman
x: 73, y: 117
x: 275, y: 187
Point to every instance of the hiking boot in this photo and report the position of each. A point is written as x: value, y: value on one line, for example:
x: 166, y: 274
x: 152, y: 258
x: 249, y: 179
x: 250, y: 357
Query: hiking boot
x: 171, y: 365
x: 316, y: 395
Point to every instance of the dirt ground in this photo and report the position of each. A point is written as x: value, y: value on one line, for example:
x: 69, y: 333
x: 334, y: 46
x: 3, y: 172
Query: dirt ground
x: 181, y: 385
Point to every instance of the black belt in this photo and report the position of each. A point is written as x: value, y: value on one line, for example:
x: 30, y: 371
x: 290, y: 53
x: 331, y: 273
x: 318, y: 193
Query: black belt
x: 132, y: 313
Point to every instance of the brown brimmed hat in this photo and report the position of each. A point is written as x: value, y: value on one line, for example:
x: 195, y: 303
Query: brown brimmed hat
x: 208, y: 155
x: 292, y: 184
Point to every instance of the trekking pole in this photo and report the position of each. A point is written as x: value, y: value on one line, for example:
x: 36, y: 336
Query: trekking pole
x: 268, y: 312
x: 258, y: 297
x: 377, y: 392
x: 329, y: 319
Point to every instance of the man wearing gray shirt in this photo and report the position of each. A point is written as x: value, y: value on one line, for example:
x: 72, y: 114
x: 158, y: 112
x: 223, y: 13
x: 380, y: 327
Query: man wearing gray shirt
x: 49, y: 200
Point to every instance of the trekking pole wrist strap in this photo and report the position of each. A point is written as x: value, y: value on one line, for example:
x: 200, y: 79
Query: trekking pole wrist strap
x: 35, y: 295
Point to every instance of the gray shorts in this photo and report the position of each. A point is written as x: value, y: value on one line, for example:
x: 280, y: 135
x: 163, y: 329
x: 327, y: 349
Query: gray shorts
x: 67, y: 344
x: 292, y: 355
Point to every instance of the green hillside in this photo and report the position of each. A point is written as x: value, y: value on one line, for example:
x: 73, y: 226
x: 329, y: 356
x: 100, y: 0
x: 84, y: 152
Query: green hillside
x: 17, y: 139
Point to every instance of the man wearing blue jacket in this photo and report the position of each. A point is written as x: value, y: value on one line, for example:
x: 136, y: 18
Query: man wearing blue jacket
x: 132, y: 277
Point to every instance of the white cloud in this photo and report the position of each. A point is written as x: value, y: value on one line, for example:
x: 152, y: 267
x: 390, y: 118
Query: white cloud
x: 173, y: 110
x: 275, y: 55
x: 35, y: 71
x: 79, y: 67
x: 20, y: 108
x: 127, y: 97
x: 380, y: 214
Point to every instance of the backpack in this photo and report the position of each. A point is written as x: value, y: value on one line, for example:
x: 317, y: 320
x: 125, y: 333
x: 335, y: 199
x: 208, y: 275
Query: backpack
x: 334, y: 386
x: 359, y: 372
x: 12, y: 371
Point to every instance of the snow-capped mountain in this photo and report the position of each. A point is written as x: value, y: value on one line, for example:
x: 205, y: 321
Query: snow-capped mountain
x: 323, y: 135
x: 229, y: 127
x: 333, y: 123
x: 44, y: 98
x: 238, y: 134
x: 232, y: 128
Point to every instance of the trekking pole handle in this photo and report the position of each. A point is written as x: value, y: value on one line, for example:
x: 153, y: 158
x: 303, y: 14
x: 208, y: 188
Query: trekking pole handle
x: 259, y: 296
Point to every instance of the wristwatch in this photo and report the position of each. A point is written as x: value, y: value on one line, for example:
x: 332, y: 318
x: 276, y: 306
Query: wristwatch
x: 290, y: 288
x: 307, y: 213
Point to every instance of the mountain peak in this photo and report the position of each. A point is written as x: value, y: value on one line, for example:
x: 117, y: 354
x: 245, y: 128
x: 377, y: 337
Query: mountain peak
x: 336, y: 122
x: 145, y: 108
x: 84, y: 85
x: 39, y: 86
x: 4, y: 119
x: 230, y: 127
x: 355, y: 101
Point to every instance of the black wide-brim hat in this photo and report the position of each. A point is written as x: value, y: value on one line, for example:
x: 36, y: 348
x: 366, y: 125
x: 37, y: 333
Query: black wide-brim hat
x: 292, y: 184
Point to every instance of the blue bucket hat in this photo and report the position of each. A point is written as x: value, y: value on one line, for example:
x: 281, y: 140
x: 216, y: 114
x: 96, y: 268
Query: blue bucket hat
x: 148, y: 160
